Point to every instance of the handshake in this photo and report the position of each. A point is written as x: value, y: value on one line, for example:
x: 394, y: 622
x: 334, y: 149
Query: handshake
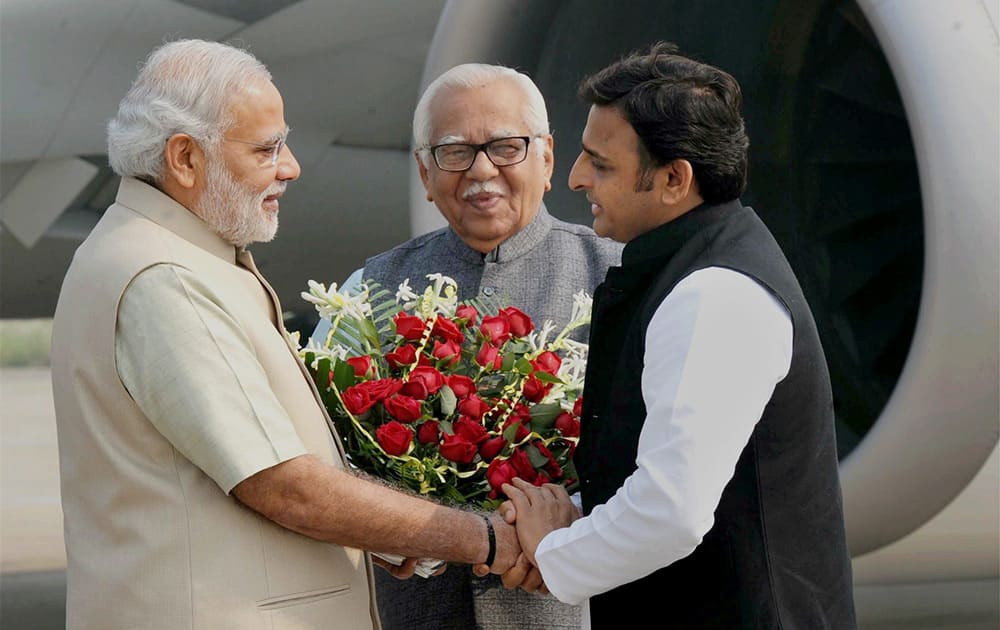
x: 518, y: 525
x: 531, y: 512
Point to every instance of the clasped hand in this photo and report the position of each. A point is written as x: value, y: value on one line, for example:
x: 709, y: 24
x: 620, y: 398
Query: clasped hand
x: 535, y: 511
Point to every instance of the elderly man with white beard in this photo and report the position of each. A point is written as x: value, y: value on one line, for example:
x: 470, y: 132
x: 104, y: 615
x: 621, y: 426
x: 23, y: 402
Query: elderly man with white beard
x: 202, y: 487
x: 485, y: 157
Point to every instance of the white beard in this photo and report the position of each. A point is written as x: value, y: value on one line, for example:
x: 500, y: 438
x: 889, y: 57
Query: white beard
x: 233, y: 210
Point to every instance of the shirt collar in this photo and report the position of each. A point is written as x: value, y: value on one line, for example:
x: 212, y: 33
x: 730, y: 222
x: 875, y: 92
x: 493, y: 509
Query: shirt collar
x: 522, y: 242
x: 665, y: 240
x: 163, y: 210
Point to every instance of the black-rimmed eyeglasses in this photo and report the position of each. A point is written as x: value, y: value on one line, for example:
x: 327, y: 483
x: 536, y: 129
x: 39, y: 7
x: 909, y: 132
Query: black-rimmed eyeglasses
x: 458, y: 157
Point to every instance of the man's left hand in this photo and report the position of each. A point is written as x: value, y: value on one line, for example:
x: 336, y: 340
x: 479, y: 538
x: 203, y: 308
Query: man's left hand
x: 539, y: 510
x: 403, y: 571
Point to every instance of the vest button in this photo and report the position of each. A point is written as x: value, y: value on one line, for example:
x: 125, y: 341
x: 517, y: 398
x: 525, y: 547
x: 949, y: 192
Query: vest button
x: 489, y: 291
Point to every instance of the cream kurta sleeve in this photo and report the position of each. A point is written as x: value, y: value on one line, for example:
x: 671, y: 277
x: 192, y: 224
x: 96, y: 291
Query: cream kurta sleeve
x: 194, y: 374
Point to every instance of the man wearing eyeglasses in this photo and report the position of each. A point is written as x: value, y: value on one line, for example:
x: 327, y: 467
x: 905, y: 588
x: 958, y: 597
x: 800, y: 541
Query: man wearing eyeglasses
x: 485, y: 157
x: 202, y: 487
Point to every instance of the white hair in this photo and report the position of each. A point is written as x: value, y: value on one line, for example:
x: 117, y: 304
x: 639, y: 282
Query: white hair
x: 469, y: 75
x: 184, y: 86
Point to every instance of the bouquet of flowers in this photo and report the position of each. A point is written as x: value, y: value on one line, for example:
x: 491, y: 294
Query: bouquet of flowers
x: 449, y: 400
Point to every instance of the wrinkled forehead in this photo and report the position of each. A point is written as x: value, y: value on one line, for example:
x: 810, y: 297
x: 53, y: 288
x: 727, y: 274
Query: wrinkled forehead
x: 478, y: 113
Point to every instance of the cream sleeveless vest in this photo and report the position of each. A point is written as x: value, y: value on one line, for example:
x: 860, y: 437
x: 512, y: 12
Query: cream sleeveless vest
x: 153, y: 542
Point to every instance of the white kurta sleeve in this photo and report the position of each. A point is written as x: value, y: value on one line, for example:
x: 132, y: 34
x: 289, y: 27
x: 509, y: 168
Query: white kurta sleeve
x: 715, y: 349
x: 194, y: 374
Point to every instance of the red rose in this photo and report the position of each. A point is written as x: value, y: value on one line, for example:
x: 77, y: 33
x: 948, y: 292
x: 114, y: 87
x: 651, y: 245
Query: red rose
x: 356, y: 399
x: 496, y: 328
x: 361, y: 365
x: 474, y: 406
x: 535, y: 390
x: 394, y: 438
x: 578, y: 407
x: 468, y: 313
x: 447, y: 330
x: 470, y: 430
x: 522, y: 411
x: 552, y: 468
x: 568, y: 425
x: 489, y: 357
x: 447, y: 351
x: 499, y: 472
x: 519, y: 459
x: 410, y: 327
x: 381, y: 389
x: 547, y: 362
x: 521, y: 432
x: 428, y: 432
x: 520, y: 324
x: 403, y: 408
x: 457, y: 449
x: 429, y: 376
x: 424, y: 360
x: 402, y: 356
x: 415, y: 389
x: 461, y: 385
x: 491, y: 448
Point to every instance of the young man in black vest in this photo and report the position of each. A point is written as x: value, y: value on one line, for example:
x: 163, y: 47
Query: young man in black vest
x: 707, y: 459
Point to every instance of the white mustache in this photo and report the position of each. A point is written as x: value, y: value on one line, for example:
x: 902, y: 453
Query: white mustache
x: 276, y: 189
x: 479, y: 188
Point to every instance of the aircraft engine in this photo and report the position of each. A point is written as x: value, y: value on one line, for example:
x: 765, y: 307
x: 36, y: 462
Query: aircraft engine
x: 874, y: 164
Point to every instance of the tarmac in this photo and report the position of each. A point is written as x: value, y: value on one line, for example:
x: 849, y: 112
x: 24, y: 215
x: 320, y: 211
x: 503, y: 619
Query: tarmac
x: 32, y: 555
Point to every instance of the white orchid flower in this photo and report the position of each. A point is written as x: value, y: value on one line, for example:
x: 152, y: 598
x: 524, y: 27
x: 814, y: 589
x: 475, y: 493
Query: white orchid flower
x: 406, y: 295
x: 538, y: 338
x: 332, y: 303
x: 439, y: 298
x: 335, y: 352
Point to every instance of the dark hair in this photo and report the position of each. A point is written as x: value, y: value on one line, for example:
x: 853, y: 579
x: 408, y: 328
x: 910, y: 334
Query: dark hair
x: 680, y: 109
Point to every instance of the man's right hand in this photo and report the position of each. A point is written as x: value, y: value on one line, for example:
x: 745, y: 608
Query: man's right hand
x: 508, y: 546
x: 400, y: 571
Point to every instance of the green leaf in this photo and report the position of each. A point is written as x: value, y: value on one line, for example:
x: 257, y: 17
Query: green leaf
x: 507, y: 363
x: 343, y: 375
x: 543, y: 416
x: 448, y: 400
x: 569, y: 470
x: 511, y: 432
x: 322, y: 374
x: 452, y: 494
x: 523, y: 366
x: 368, y: 333
x: 535, y: 456
x: 445, y: 426
x: 517, y: 347
x: 545, y: 377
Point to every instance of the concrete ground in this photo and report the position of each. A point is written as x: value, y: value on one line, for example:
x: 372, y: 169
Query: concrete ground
x: 32, y: 556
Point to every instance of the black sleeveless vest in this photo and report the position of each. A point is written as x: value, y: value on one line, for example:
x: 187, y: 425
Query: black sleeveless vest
x: 776, y: 556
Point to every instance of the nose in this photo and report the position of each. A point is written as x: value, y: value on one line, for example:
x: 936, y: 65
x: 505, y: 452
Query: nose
x: 482, y: 168
x: 288, y: 167
x: 579, y: 176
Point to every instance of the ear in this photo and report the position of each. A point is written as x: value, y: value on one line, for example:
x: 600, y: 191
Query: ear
x: 424, y: 176
x: 676, y: 182
x: 549, y: 161
x: 183, y: 160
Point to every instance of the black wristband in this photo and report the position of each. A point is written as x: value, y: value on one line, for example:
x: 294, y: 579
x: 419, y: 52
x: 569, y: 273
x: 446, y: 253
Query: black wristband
x: 491, y: 556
